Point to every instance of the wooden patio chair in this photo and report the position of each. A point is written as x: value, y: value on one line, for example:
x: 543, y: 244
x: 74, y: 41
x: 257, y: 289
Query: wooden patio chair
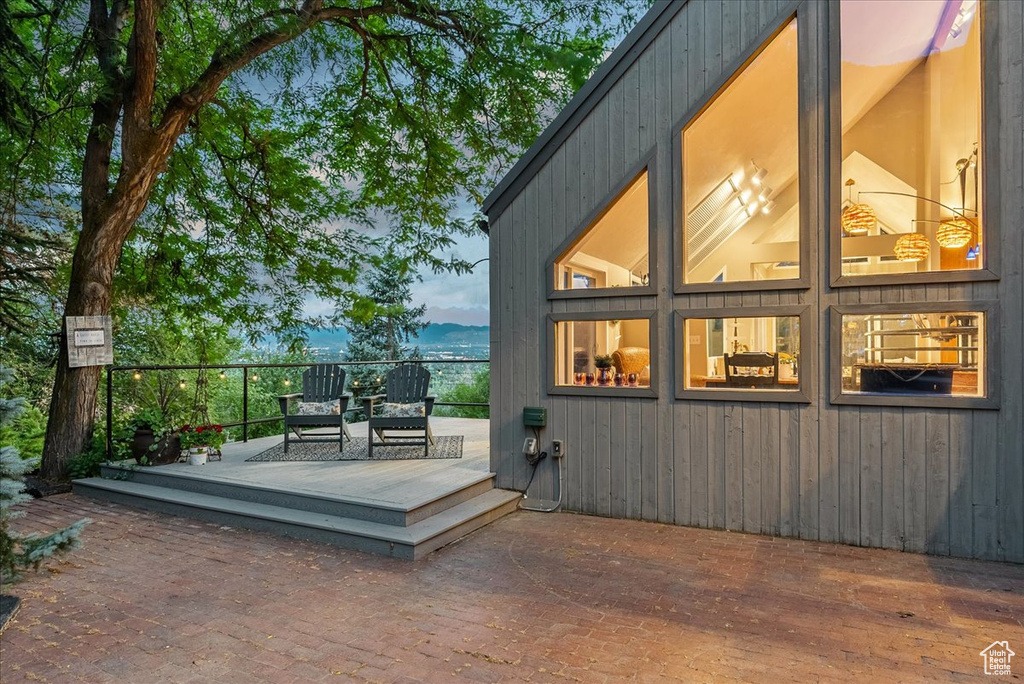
x: 322, y: 385
x: 405, y: 407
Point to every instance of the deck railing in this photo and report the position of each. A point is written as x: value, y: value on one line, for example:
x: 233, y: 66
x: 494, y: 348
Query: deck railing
x: 250, y: 374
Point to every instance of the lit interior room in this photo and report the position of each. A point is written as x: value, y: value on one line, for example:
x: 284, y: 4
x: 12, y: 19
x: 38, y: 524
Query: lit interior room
x: 740, y: 174
x: 914, y: 353
x: 911, y: 128
x: 743, y: 353
x: 613, y: 251
x: 603, y: 353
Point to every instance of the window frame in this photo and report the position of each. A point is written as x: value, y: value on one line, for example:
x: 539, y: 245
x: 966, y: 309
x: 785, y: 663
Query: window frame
x: 553, y: 319
x: 808, y: 361
x: 990, y: 400
x: 648, y: 162
x: 989, y: 145
x: 805, y: 151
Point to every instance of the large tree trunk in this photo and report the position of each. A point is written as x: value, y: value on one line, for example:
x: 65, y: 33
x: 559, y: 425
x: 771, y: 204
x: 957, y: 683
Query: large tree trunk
x: 73, y: 406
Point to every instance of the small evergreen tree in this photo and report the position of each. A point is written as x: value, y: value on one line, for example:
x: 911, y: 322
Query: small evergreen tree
x: 22, y: 551
x: 385, y: 327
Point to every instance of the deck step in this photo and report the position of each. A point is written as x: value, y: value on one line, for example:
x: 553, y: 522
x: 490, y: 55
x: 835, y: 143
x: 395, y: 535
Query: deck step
x: 348, y: 506
x: 411, y: 542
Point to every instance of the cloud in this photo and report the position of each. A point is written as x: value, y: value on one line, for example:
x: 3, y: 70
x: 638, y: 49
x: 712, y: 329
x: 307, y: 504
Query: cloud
x: 472, y: 316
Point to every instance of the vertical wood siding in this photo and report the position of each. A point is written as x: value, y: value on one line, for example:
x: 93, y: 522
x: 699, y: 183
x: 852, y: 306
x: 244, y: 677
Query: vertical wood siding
x: 940, y: 481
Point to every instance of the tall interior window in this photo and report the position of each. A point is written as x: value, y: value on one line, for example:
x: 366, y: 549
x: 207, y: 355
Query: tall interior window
x: 613, y: 250
x: 911, y: 129
x: 741, y: 191
x: 604, y: 353
x: 914, y: 354
x: 743, y: 353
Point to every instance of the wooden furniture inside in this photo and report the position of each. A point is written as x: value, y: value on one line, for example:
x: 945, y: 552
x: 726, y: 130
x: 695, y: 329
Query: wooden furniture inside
x: 751, y: 369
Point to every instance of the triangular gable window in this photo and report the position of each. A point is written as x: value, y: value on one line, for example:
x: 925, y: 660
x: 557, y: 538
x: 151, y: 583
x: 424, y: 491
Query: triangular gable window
x: 613, y: 249
x: 741, y: 173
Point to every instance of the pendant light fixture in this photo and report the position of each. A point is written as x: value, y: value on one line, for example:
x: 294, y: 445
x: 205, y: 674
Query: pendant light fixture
x: 954, y: 233
x: 912, y: 247
x: 857, y: 219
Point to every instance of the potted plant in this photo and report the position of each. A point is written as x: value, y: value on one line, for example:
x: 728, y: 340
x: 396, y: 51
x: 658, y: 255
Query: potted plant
x: 604, y: 364
x: 199, y: 440
x: 152, y: 442
x: 787, y: 366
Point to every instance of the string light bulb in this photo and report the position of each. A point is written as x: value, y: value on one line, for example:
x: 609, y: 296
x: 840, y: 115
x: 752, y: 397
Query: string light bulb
x: 182, y: 383
x: 137, y: 375
x: 222, y: 375
x: 287, y: 382
x: 255, y: 377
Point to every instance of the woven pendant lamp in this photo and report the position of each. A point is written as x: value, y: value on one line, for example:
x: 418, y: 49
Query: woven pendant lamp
x: 912, y: 247
x: 954, y: 233
x: 857, y: 219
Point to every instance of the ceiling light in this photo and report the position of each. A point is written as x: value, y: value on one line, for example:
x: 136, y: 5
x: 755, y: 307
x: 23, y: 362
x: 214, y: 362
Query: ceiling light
x: 759, y: 175
x: 765, y: 193
x: 768, y: 206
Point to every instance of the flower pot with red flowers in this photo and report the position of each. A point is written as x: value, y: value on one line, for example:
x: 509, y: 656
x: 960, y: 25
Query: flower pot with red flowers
x: 200, y: 440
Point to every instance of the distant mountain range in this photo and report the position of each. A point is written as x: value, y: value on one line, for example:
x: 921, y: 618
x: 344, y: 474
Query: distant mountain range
x: 451, y: 335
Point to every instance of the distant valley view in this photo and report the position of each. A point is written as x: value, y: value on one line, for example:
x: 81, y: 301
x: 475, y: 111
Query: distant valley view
x: 438, y: 341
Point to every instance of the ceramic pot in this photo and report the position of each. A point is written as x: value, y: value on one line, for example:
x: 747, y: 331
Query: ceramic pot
x: 198, y: 455
x: 168, y: 449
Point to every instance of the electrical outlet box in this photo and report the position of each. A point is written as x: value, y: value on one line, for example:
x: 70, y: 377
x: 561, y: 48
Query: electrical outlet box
x: 557, y: 448
x: 530, y: 446
x: 535, y: 416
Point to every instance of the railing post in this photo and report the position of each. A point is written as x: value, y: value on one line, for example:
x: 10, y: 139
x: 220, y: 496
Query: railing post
x: 110, y: 413
x: 245, y: 403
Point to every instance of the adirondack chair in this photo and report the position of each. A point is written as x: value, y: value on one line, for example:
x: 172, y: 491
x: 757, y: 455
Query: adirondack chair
x: 405, y: 385
x: 321, y: 383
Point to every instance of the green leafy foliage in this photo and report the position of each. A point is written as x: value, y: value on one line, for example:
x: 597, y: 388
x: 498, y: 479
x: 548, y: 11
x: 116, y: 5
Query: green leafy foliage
x: 478, y: 391
x: 357, y: 131
x: 25, y: 433
x: 22, y: 551
x: 87, y: 463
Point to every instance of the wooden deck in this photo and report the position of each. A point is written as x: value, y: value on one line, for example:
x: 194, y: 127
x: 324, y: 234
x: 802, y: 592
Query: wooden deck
x: 402, y: 508
x: 396, y: 483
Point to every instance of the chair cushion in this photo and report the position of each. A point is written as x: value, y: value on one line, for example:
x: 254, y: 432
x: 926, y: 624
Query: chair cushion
x: 319, y: 408
x: 395, y: 410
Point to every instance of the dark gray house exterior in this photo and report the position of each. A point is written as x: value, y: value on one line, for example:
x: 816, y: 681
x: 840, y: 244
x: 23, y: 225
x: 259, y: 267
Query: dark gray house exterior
x: 795, y: 232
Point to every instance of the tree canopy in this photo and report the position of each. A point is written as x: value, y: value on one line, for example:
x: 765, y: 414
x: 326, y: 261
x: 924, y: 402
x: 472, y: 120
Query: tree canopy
x: 305, y: 128
x: 226, y: 160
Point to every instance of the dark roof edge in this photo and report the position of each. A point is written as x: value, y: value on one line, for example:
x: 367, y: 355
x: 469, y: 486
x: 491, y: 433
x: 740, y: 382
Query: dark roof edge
x: 635, y: 42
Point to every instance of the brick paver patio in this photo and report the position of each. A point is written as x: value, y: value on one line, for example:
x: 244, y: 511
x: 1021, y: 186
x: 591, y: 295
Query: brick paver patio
x: 534, y: 597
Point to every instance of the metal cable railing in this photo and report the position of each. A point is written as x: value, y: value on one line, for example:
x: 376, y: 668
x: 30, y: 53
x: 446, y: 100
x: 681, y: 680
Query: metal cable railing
x: 250, y: 374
